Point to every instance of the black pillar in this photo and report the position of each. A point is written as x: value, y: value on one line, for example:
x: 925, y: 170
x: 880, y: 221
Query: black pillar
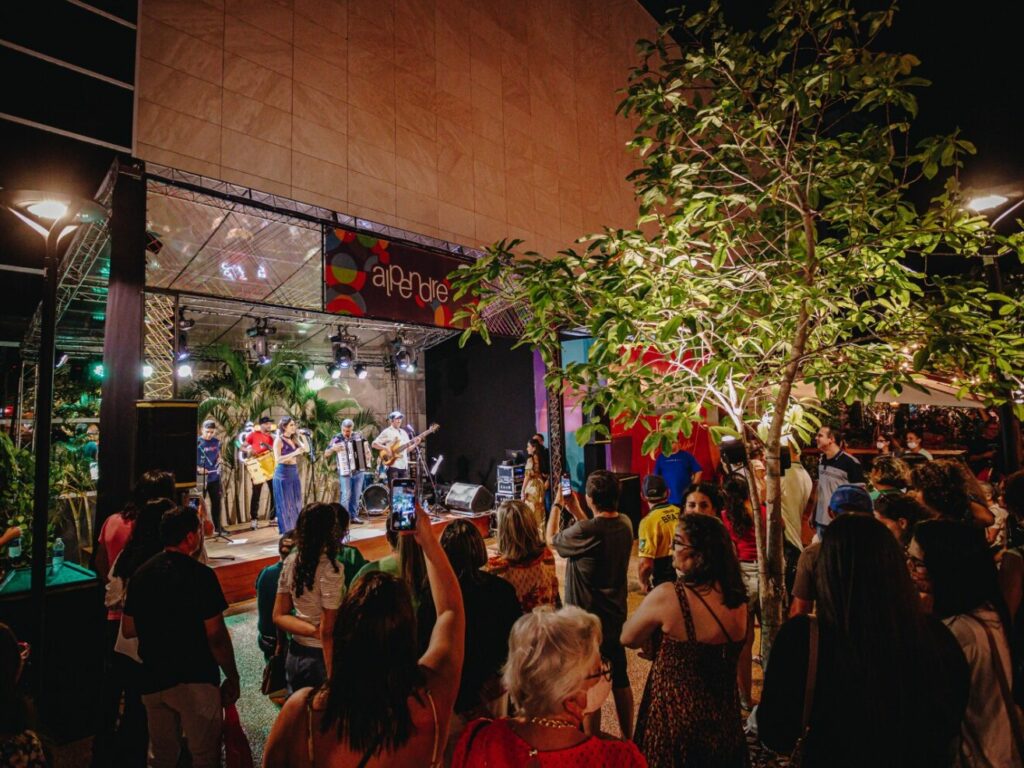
x: 123, y: 342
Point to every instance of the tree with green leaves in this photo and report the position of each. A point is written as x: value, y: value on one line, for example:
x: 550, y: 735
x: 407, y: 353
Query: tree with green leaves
x: 777, y: 242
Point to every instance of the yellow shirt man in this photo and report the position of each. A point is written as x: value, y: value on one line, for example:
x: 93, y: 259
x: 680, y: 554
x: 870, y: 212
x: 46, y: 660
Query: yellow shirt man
x: 655, y: 546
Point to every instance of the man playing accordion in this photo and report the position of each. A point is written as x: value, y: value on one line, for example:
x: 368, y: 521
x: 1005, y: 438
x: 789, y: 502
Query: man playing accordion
x: 354, y: 464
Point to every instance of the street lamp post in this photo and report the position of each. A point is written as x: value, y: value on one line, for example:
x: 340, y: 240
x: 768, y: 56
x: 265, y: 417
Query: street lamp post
x: 51, y: 216
x: 1009, y: 425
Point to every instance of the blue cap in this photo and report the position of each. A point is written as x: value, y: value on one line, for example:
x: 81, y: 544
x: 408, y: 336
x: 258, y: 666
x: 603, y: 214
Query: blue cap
x: 850, y: 498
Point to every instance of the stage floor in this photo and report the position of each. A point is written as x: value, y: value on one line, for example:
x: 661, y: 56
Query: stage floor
x: 238, y: 563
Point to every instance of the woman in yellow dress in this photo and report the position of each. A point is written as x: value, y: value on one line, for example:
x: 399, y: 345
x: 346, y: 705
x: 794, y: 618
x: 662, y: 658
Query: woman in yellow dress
x: 535, y: 480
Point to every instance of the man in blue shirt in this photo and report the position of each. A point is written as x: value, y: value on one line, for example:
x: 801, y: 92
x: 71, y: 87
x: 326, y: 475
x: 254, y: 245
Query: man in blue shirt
x: 680, y: 470
x: 208, y: 467
x: 266, y: 593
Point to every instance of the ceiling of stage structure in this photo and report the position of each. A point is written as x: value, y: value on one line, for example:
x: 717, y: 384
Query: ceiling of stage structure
x: 231, y: 255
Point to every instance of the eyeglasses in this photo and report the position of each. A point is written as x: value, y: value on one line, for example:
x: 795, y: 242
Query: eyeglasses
x: 605, y: 671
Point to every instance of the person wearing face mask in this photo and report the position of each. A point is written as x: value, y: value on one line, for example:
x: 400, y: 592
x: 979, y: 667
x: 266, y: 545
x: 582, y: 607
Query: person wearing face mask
x: 887, y: 445
x: 694, y: 632
x: 556, y: 678
x: 913, y: 443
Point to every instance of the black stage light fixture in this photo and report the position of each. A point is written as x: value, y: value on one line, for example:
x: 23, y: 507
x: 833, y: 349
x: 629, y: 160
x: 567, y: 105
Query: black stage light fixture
x: 185, y: 323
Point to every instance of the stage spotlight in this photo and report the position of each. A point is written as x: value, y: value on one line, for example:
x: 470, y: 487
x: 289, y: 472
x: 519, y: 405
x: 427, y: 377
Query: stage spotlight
x: 308, y: 374
x: 62, y: 360
x: 185, y: 323
x: 147, y: 371
x: 360, y: 371
x: 402, y: 359
x: 343, y: 356
x: 184, y: 371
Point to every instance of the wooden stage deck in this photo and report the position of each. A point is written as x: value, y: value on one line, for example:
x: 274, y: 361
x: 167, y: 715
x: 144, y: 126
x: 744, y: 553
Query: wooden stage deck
x: 252, y: 551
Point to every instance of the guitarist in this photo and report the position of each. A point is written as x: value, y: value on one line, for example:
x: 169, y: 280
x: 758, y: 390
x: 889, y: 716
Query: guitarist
x: 387, y: 438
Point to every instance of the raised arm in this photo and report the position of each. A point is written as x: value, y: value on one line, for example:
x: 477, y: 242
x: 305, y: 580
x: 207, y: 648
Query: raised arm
x: 444, y: 654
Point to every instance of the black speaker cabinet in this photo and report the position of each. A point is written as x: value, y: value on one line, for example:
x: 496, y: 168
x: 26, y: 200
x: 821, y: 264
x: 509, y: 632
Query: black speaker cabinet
x: 464, y: 497
x: 629, y: 498
x: 165, y: 438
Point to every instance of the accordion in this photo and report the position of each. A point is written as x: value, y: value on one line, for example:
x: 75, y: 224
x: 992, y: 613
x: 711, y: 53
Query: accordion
x: 353, y: 455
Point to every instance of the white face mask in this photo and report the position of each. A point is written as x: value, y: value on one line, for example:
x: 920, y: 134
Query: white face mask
x: 597, y: 694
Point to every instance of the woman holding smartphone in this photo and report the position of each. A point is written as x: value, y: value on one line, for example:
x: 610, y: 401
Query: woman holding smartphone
x: 387, y: 708
x: 535, y: 481
x: 289, y: 445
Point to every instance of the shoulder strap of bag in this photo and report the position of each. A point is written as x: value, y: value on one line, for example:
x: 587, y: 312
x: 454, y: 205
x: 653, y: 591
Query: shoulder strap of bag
x: 812, y: 673
x: 1004, y: 686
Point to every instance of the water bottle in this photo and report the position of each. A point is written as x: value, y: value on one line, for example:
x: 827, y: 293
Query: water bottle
x: 58, y: 555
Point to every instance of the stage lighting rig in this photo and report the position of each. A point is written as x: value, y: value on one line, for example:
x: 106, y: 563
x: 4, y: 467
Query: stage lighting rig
x: 343, y: 349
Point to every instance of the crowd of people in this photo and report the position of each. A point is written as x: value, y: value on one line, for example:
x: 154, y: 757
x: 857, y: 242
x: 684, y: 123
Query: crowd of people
x: 904, y: 644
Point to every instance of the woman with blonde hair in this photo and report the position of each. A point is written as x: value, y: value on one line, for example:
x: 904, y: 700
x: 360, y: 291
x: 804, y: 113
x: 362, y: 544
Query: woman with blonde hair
x: 556, y: 678
x: 523, y: 559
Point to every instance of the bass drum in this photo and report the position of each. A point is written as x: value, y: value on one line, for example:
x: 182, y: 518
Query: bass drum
x: 375, y: 499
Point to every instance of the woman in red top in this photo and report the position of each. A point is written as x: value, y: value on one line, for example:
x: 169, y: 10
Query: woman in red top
x: 739, y: 522
x: 556, y: 677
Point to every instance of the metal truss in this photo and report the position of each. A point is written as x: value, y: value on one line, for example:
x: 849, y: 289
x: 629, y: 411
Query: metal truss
x: 192, y: 186
x: 158, y: 346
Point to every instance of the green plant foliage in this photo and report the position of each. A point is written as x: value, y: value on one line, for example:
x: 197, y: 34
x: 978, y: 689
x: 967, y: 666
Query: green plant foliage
x: 771, y: 244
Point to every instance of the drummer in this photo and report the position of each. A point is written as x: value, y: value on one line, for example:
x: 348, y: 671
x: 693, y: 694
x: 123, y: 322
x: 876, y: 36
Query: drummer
x: 257, y: 443
x: 354, y: 463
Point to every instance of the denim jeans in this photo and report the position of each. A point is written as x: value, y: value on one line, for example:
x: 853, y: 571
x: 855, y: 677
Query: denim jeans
x: 351, y: 491
x: 304, y: 667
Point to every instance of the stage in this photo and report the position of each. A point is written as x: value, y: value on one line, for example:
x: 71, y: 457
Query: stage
x: 237, y: 564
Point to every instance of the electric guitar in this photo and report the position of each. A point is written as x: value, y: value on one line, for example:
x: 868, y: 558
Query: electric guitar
x: 389, y: 454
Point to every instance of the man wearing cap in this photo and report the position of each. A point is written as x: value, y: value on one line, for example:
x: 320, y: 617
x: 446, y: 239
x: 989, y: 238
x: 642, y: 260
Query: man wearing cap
x: 259, y: 442
x: 208, y: 467
x: 654, y: 549
x: 354, y: 463
x: 845, y: 499
x: 394, y: 431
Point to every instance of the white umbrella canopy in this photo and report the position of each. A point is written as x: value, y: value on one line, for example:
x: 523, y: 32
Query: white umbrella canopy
x: 931, y: 392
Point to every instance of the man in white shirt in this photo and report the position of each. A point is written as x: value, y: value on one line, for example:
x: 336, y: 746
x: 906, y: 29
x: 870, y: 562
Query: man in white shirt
x: 796, y: 490
x: 386, y: 439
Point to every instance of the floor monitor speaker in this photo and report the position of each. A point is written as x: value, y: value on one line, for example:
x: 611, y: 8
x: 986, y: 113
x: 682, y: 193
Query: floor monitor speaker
x: 463, y: 497
x: 165, y: 438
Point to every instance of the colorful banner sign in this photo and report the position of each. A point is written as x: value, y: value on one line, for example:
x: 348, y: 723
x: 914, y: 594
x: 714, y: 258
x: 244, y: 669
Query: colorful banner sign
x: 368, y: 277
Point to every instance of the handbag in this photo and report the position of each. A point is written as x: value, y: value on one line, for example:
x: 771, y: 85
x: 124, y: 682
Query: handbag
x: 274, y: 683
x: 797, y: 755
x: 237, y: 753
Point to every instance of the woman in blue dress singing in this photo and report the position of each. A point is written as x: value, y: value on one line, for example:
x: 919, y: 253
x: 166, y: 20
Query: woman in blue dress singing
x: 289, y: 445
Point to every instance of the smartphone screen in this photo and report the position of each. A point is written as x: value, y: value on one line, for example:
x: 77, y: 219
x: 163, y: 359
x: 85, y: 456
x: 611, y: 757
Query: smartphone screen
x: 403, y: 504
x: 566, y: 485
